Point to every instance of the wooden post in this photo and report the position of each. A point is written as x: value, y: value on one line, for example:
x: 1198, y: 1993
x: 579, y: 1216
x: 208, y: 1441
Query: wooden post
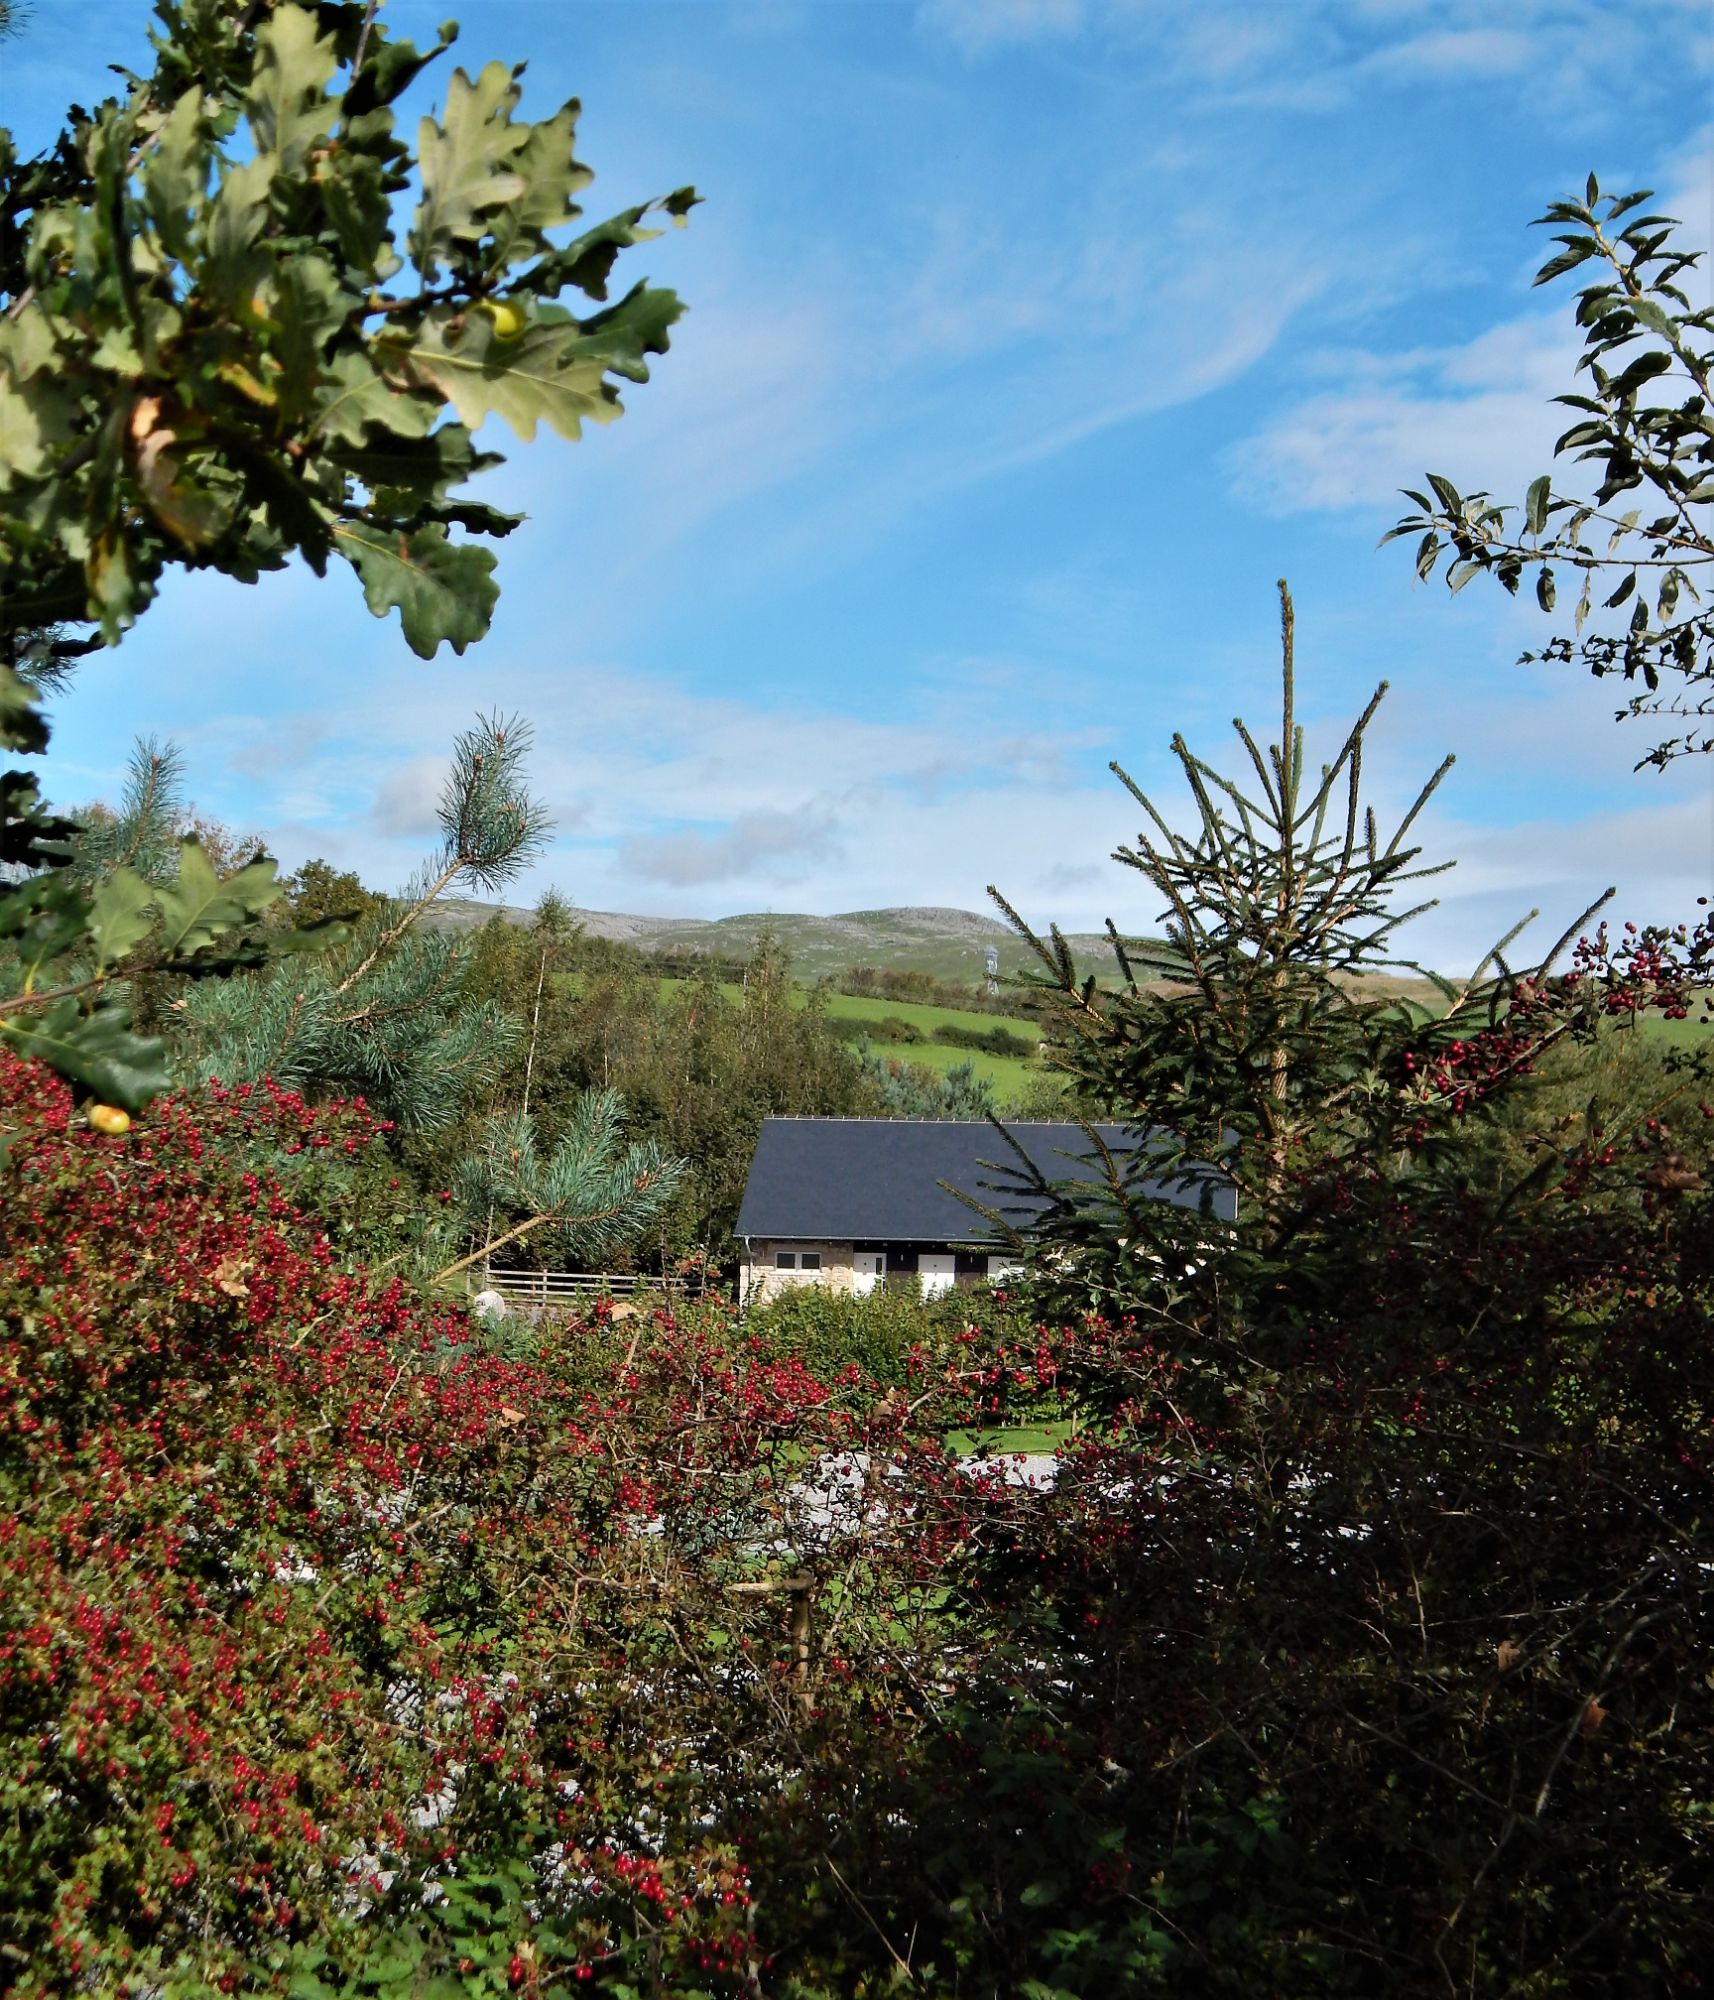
x: 799, y: 1626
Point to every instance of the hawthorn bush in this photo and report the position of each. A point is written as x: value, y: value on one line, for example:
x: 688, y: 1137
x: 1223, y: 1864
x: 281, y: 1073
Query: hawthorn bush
x: 343, y: 1655
x: 1359, y: 1644
x: 310, y: 1604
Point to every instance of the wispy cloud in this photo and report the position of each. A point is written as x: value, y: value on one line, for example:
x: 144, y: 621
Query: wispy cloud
x: 1481, y: 411
x: 979, y: 26
x: 757, y: 846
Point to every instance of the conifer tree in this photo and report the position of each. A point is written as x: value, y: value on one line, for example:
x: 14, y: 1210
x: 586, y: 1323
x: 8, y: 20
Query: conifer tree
x: 1255, y: 1034
x: 384, y: 1015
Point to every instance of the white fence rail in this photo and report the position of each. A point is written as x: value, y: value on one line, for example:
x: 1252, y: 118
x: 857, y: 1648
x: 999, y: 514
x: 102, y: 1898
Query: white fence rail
x: 558, y: 1287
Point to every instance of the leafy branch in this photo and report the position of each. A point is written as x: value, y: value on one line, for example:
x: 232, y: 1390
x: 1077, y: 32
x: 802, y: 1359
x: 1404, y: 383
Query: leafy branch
x: 1646, y: 427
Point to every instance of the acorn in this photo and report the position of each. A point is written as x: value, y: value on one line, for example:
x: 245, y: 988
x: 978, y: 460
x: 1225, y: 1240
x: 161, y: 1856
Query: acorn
x: 109, y: 1118
x: 509, y: 322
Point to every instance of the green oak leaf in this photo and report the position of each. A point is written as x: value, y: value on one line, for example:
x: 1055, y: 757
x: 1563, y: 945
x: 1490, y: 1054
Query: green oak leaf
x: 36, y: 415
x: 201, y: 906
x: 96, y: 1050
x: 469, y: 164
x: 287, y: 105
x: 233, y: 263
x: 121, y: 915
x: 421, y: 468
x: 22, y: 724
x: 358, y: 396
x: 555, y: 372
x: 305, y: 301
x: 445, y: 594
x: 175, y: 177
x: 351, y: 186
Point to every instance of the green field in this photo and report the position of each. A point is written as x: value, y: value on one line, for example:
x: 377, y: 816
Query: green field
x: 1009, y: 1075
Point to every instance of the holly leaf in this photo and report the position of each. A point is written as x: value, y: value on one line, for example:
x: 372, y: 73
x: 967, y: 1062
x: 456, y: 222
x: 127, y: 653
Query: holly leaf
x: 443, y: 594
x: 97, y: 1050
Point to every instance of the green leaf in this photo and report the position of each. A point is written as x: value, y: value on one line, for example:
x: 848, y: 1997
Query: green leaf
x: 358, y: 395
x: 1447, y: 494
x: 22, y: 724
x: 1544, y: 592
x: 469, y: 165
x: 307, y: 304
x: 443, y: 594
x: 233, y: 264
x: 425, y: 468
x: 121, y: 915
x: 356, y: 199
x: 175, y: 176
x: 199, y: 906
x: 550, y: 172
x: 1656, y: 318
x: 1535, y: 503
x: 1643, y: 369
x: 287, y: 105
x: 36, y: 415
x: 1582, y: 248
x: 97, y: 1050
x: 555, y: 372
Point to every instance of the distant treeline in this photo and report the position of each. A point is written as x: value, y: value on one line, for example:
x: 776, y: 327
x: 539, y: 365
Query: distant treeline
x: 893, y: 1028
x: 869, y: 982
x: 864, y: 982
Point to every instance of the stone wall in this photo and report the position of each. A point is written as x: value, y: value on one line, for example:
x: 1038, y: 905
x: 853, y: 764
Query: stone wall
x: 760, y: 1279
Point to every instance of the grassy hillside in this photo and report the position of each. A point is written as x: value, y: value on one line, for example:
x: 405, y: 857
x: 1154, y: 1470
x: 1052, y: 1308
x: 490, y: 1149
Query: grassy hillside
x: 947, y: 944
x: 1008, y: 1074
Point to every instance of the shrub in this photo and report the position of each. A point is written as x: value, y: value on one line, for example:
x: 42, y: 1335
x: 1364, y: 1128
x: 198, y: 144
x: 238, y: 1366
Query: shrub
x: 310, y: 1603
x: 888, y: 1335
x: 886, y: 1028
x: 996, y: 1041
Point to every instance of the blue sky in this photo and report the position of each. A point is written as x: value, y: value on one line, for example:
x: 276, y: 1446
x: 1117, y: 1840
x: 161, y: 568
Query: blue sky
x: 1029, y: 342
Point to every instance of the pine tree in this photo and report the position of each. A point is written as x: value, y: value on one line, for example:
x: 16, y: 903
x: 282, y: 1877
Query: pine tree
x: 384, y: 1015
x: 1256, y: 1034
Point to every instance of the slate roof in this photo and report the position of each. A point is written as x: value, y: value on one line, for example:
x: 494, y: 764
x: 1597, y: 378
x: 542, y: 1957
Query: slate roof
x: 876, y: 1180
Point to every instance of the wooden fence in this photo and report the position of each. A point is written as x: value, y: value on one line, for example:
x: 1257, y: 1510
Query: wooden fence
x: 558, y: 1287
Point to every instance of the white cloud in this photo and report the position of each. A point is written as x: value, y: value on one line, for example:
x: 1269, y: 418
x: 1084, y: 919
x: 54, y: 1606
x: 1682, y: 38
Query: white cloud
x: 756, y: 846
x: 1458, y: 55
x: 1480, y: 412
x: 980, y: 26
x: 407, y: 797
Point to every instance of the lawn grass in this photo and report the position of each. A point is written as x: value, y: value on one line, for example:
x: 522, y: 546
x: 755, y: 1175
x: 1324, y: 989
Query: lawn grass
x: 1043, y: 1438
x: 1010, y: 1075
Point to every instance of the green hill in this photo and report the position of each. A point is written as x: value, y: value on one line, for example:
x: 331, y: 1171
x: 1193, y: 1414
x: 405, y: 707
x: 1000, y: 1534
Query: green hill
x: 948, y: 944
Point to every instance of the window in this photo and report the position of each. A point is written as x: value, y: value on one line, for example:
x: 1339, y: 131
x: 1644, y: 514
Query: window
x: 810, y: 1261
x: 785, y: 1260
